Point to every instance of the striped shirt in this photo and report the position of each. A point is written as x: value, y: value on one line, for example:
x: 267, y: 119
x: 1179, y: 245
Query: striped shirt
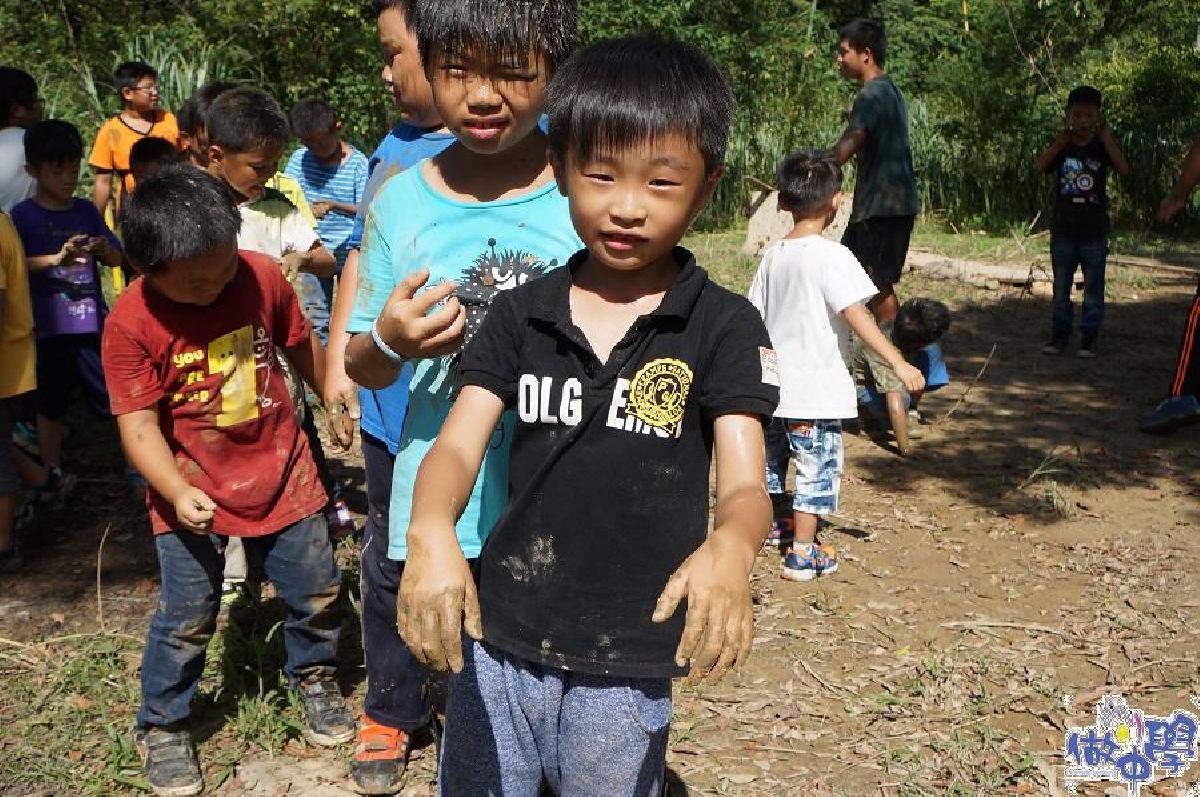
x: 344, y: 182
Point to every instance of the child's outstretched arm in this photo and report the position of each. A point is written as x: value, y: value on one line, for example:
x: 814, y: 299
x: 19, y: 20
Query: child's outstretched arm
x: 715, y: 579
x: 149, y: 453
x: 1189, y: 178
x: 341, y: 394
x: 437, y: 598
x: 868, y: 331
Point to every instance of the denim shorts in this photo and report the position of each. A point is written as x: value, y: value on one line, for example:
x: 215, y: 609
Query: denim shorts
x: 815, y: 447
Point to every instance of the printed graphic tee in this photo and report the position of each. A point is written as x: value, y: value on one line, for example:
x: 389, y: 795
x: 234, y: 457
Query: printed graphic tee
x: 885, y: 184
x: 486, y: 248
x: 382, y: 411
x: 1081, y: 198
x: 801, y: 288
x: 67, y: 299
x: 608, y: 488
x: 213, y: 375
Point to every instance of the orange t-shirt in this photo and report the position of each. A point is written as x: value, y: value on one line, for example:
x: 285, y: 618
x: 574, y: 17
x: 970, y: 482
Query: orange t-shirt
x: 116, y: 139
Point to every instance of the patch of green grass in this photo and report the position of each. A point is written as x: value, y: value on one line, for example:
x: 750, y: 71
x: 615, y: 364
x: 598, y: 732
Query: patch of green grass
x: 720, y: 254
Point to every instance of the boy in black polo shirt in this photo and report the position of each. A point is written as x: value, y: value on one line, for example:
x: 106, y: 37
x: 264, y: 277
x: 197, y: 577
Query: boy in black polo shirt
x: 625, y: 369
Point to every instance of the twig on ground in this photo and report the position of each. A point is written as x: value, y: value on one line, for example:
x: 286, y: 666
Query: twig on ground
x: 976, y: 624
x: 99, y: 563
x: 974, y: 381
x: 831, y: 687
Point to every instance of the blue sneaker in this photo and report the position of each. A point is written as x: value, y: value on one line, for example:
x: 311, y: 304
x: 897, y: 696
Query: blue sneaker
x: 806, y: 561
x: 1172, y: 413
x: 782, y: 531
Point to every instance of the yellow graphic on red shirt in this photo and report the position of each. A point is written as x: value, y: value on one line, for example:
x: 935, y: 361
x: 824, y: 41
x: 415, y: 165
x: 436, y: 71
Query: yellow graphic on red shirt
x: 658, y: 393
x: 232, y: 356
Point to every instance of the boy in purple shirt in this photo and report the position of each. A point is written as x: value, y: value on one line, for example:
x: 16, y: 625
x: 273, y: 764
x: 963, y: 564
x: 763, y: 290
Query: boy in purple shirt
x: 64, y: 239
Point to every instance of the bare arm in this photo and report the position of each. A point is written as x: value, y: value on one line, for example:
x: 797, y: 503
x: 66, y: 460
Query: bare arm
x: 410, y: 329
x: 102, y: 190
x: 715, y: 580
x: 1045, y: 161
x: 149, y: 453
x: 1189, y: 177
x: 1115, y: 155
x: 437, y: 598
x: 73, y: 245
x: 850, y: 143
x: 872, y: 336
x: 317, y: 261
x: 308, y: 358
x: 341, y: 394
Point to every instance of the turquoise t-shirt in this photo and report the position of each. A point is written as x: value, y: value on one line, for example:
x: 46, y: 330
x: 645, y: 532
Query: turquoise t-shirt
x: 484, y: 247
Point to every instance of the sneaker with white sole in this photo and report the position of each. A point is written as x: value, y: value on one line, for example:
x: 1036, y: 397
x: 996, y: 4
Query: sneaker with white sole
x: 170, y: 762
x: 329, y: 722
x: 807, y: 561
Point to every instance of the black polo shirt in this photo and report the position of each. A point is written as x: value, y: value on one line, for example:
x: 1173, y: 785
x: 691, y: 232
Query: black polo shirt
x: 609, y: 465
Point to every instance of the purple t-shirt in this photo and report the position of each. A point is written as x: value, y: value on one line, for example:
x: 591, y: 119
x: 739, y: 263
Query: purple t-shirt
x: 66, y: 299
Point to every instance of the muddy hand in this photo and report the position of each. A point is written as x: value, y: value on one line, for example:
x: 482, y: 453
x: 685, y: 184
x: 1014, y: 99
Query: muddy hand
x: 195, y: 510
x: 411, y: 326
x: 436, y: 602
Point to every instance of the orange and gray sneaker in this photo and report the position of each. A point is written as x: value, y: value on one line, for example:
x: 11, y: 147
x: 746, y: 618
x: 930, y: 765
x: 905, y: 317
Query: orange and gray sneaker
x: 380, y: 757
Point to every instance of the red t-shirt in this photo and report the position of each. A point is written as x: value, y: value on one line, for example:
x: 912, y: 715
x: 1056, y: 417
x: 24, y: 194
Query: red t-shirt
x: 224, y: 408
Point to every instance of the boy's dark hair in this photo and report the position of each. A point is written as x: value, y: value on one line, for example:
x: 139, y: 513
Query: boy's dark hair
x: 53, y: 141
x: 311, y: 117
x: 17, y: 87
x: 866, y: 34
x: 130, y: 73
x: 245, y: 119
x: 405, y: 6
x: 182, y: 212
x: 620, y: 93
x: 919, y: 322
x: 808, y: 179
x: 1085, y: 95
x: 511, y: 27
x: 190, y: 115
x: 152, y: 149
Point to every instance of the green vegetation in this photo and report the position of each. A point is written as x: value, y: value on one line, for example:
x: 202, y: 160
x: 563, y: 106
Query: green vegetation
x: 986, y: 80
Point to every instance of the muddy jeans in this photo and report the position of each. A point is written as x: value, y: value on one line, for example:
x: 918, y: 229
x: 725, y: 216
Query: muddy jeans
x: 297, y: 560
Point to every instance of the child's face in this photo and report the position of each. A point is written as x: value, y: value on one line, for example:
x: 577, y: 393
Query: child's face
x: 26, y: 116
x: 851, y: 62
x: 326, y: 145
x: 56, y: 181
x: 197, y: 280
x: 490, y: 102
x: 248, y: 172
x: 631, y: 207
x: 143, y: 97
x: 1083, y: 118
x: 403, y: 73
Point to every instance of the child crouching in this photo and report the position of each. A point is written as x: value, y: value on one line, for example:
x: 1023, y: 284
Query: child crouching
x: 192, y: 356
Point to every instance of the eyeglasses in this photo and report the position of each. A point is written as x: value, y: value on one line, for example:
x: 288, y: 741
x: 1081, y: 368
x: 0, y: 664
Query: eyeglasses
x: 147, y: 89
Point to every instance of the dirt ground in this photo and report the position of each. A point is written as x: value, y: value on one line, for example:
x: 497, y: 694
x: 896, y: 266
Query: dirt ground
x: 1035, y: 553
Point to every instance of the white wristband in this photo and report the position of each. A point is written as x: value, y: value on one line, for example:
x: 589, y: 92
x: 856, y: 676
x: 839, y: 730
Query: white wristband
x: 385, y: 349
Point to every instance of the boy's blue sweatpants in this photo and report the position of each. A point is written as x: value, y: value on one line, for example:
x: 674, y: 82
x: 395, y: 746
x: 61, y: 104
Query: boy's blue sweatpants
x: 512, y: 725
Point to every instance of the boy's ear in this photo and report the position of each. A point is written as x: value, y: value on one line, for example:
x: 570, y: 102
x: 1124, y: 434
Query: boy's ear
x: 337, y: 127
x: 836, y: 201
x: 126, y: 94
x: 559, y: 169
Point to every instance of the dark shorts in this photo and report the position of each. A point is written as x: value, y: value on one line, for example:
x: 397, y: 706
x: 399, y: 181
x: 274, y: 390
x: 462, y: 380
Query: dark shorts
x: 10, y: 482
x: 65, y: 363
x: 880, y: 244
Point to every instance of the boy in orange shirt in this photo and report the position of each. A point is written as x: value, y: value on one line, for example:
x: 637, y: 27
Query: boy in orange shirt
x: 137, y: 84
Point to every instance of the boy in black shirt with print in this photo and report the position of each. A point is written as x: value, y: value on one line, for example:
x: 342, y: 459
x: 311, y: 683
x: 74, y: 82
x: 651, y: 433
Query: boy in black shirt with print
x: 626, y: 368
x: 1080, y: 156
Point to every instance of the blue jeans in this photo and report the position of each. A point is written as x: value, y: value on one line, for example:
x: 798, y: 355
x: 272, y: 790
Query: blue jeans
x: 1068, y: 252
x: 299, y: 562
x: 512, y: 725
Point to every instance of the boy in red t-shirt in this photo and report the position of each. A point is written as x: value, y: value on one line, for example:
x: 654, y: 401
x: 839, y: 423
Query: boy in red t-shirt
x: 192, y: 356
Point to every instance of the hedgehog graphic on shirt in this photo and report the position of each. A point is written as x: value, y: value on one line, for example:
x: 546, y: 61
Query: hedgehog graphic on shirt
x: 491, y: 273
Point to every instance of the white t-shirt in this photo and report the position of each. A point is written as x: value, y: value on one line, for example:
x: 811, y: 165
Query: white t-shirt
x: 15, y: 183
x: 801, y: 288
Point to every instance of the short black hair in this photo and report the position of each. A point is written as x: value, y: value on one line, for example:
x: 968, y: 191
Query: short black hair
x: 130, y: 73
x: 919, y: 322
x: 245, y: 119
x: 53, y: 141
x: 312, y: 116
x: 808, y: 179
x: 620, y: 93
x: 152, y: 149
x: 182, y: 212
x: 866, y: 34
x: 508, y: 27
x: 1085, y: 95
x: 405, y: 6
x: 17, y: 87
x: 190, y: 115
